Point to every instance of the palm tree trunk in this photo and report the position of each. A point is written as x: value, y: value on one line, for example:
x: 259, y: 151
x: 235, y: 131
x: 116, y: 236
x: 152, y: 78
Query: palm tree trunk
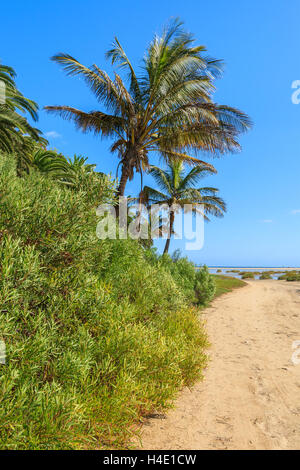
x: 127, y: 165
x: 167, y: 245
x: 122, y: 185
x: 123, y: 181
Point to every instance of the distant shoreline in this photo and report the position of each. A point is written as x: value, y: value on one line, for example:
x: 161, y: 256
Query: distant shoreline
x: 253, y: 267
x: 252, y: 272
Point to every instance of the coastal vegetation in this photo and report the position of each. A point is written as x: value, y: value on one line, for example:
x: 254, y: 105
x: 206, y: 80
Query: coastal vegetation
x: 98, y: 332
x: 101, y: 332
x: 290, y: 276
x: 265, y: 275
x: 225, y: 284
x: 248, y: 275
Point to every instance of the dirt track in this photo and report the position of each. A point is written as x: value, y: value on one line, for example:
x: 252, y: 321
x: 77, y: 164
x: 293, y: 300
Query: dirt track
x: 250, y: 398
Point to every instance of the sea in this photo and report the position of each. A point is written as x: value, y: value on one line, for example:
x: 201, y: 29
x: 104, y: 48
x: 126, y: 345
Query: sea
x: 227, y: 270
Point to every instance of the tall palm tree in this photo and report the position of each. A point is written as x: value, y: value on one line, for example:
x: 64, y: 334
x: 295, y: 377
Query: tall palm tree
x: 179, y: 188
x: 167, y: 109
x: 16, y: 134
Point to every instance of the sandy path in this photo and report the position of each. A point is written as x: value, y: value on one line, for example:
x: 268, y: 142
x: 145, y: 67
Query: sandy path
x: 250, y: 398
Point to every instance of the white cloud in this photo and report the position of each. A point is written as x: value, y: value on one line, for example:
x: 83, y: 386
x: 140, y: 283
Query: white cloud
x: 267, y: 221
x: 295, y: 211
x: 52, y: 135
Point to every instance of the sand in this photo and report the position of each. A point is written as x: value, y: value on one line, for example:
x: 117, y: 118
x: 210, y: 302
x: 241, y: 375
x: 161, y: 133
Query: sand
x: 250, y: 397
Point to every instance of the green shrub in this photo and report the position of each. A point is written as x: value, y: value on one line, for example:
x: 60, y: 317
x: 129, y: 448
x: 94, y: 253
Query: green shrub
x: 97, y: 332
x: 248, y: 276
x: 197, y: 285
x: 265, y: 275
x: 183, y: 271
x: 291, y: 277
x: 205, y: 287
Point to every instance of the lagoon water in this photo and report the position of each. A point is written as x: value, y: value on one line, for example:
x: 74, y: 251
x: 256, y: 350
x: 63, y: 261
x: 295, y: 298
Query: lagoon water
x: 226, y: 270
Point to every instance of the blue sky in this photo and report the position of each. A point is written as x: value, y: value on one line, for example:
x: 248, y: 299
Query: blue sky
x: 258, y: 42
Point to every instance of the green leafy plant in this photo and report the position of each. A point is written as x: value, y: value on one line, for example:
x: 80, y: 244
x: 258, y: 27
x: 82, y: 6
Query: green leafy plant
x: 205, y: 286
x: 265, y: 275
x: 225, y: 284
x: 98, y: 332
x: 246, y: 275
x: 290, y: 276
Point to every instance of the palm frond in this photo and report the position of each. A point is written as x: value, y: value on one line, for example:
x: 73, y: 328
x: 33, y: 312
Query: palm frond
x: 94, y: 121
x: 152, y: 196
x: 162, y: 178
x: 117, y: 55
x: 168, y: 109
x: 16, y: 134
x: 196, y: 173
x: 171, y: 156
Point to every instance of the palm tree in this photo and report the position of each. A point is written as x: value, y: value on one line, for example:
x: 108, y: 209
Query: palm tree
x: 178, y: 188
x: 168, y: 109
x: 79, y: 172
x: 16, y: 134
x: 71, y: 172
x: 50, y: 163
x: 78, y: 165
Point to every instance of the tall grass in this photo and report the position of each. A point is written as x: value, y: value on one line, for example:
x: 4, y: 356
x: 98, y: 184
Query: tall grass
x: 97, y: 332
x: 225, y: 284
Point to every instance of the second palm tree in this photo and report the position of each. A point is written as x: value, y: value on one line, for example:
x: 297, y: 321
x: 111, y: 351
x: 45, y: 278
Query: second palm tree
x: 178, y: 188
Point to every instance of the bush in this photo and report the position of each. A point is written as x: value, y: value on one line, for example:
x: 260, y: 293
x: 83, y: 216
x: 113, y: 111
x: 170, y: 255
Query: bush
x: 248, y: 276
x: 197, y: 285
x: 183, y: 271
x: 97, y: 332
x: 291, y: 277
x: 205, y: 287
x: 265, y: 275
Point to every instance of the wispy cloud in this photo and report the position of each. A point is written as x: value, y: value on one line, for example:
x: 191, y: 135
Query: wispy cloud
x: 267, y: 221
x: 53, y: 135
x: 295, y: 211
